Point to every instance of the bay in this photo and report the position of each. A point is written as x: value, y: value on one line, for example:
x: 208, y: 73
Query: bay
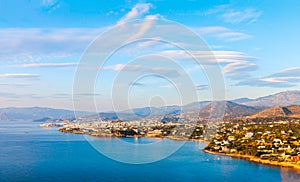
x: 31, y: 153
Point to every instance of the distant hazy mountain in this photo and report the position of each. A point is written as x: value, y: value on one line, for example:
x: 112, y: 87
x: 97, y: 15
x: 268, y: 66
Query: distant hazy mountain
x: 242, y: 100
x: 138, y: 113
x: 278, y: 111
x: 279, y: 99
x: 145, y: 111
x: 36, y: 113
x: 234, y: 108
x: 102, y: 115
x: 196, y: 105
x: 227, y: 109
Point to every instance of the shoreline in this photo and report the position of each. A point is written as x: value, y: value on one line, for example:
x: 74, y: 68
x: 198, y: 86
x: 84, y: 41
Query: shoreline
x: 290, y: 165
x: 159, y: 137
x: 250, y: 158
x: 136, y: 136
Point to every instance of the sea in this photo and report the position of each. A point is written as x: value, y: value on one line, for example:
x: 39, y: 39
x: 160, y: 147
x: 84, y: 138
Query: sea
x: 31, y: 153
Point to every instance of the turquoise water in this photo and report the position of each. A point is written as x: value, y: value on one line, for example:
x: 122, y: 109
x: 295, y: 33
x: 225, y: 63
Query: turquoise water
x: 31, y: 153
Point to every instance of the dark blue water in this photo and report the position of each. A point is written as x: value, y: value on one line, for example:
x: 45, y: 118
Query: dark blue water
x: 30, y: 153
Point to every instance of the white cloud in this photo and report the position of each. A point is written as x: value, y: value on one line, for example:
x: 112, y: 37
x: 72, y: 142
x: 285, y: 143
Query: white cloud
x: 49, y: 65
x: 284, y: 78
x: 145, y: 26
x: 119, y: 67
x: 23, y: 45
x: 288, y: 72
x: 209, y: 57
x: 272, y: 80
x: 247, y: 15
x: 221, y: 32
x: 202, y: 87
x: 236, y: 65
x: 239, y: 66
x: 46, y: 40
x: 34, y: 45
x: 217, y: 9
x: 136, y: 12
x: 19, y: 75
x: 230, y: 14
x: 172, y: 72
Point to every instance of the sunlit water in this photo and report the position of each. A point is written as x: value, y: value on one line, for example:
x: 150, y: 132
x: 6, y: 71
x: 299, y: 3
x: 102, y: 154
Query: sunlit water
x: 31, y: 153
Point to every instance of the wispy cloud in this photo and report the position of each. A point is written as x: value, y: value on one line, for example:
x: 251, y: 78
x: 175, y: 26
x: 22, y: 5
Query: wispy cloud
x: 209, y: 57
x: 49, y: 65
x: 235, y: 65
x: 172, y: 72
x: 124, y: 67
x: 34, y: 44
x: 137, y: 11
x: 239, y: 69
x: 247, y: 15
x: 230, y: 14
x: 201, y: 87
x: 14, y: 84
x: 19, y: 75
x: 284, y: 78
x: 288, y: 72
x: 221, y: 32
x: 48, y: 2
x: 50, y: 5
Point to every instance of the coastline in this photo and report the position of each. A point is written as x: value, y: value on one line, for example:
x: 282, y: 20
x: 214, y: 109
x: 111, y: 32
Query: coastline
x: 250, y: 158
x: 160, y: 137
x: 134, y: 136
x: 291, y: 165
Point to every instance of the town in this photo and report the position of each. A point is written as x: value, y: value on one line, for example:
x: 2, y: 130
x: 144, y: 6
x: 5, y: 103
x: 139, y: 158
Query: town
x: 267, y: 140
x: 146, y: 128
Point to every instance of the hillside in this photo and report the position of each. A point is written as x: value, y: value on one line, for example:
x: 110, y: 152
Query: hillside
x: 280, y: 99
x: 227, y: 109
x: 278, y: 111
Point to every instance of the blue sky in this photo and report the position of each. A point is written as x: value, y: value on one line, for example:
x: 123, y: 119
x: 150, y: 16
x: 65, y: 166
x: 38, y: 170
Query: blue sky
x: 256, y: 44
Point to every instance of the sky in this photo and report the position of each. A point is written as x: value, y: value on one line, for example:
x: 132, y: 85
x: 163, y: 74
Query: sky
x: 252, y: 44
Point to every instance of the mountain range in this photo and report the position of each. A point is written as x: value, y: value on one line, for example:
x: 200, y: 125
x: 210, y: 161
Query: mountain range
x: 233, y: 108
x: 280, y: 99
x: 227, y: 109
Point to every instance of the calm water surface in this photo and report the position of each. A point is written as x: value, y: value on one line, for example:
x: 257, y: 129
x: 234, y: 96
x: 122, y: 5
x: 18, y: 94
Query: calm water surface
x: 31, y: 153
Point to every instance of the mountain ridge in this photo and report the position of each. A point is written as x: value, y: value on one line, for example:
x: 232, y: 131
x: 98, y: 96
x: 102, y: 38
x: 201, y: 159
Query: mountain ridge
x: 226, y: 109
x: 244, y: 107
x: 279, y: 111
x: 285, y: 98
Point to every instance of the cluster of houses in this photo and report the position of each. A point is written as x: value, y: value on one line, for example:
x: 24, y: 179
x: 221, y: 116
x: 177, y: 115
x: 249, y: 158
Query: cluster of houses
x: 141, y: 128
x: 278, y: 140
